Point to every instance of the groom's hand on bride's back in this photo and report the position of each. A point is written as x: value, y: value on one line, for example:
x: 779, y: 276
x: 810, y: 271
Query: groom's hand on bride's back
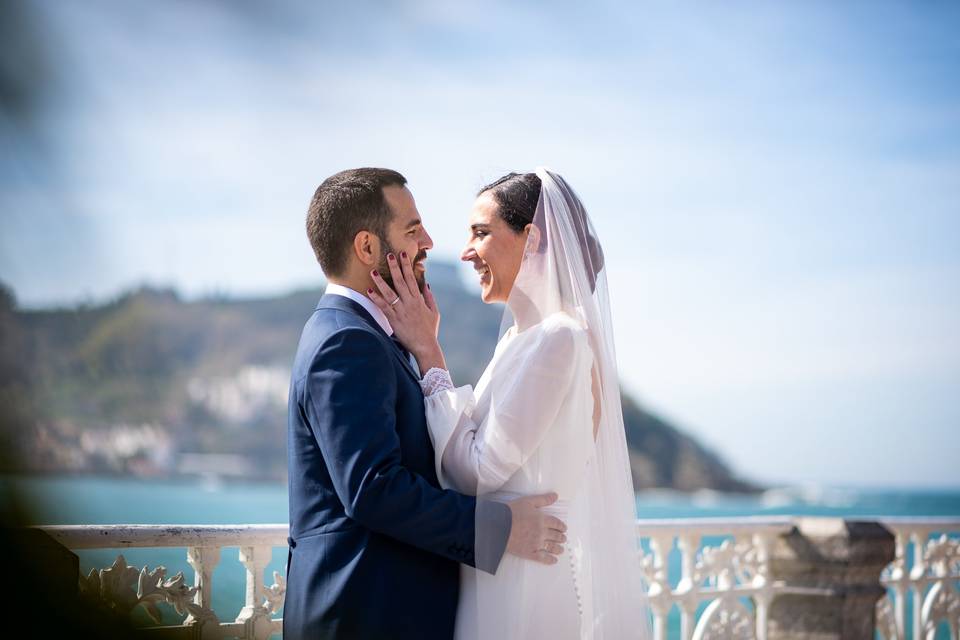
x: 535, y: 535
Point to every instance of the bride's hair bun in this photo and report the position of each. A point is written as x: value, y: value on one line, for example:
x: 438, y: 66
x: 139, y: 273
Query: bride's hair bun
x: 517, y: 196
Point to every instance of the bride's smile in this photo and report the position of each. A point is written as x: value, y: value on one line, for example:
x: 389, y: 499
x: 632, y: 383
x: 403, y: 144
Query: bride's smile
x: 483, y: 272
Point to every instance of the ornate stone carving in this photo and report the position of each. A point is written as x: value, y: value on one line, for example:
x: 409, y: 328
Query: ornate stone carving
x: 886, y: 619
x: 153, y: 588
x: 941, y: 604
x: 114, y: 588
x: 725, y: 619
x: 275, y: 593
x: 930, y: 582
x: 942, y: 556
x: 722, y: 568
x: 725, y: 566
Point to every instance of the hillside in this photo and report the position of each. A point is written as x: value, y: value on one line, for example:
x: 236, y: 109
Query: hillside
x: 150, y: 384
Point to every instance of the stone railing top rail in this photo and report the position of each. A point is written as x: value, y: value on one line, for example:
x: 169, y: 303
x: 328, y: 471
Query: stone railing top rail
x: 114, y: 536
x: 94, y: 536
x: 109, y: 536
x: 922, y: 524
x: 715, y: 526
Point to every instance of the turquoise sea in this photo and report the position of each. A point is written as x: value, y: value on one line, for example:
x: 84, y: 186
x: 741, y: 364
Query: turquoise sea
x: 98, y: 500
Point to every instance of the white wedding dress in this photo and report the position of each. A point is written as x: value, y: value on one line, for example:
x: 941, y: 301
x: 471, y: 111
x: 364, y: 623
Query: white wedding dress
x: 546, y: 417
x: 538, y: 439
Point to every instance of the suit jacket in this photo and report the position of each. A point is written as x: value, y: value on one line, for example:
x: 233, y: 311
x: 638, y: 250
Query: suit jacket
x: 375, y: 543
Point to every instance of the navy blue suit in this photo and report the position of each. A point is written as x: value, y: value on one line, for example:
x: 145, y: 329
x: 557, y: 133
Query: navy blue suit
x: 375, y: 543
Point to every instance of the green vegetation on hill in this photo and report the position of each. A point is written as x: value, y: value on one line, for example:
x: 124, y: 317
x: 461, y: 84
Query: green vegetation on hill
x: 150, y: 383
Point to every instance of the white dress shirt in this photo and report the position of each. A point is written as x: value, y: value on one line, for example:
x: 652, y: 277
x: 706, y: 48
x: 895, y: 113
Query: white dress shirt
x: 363, y: 301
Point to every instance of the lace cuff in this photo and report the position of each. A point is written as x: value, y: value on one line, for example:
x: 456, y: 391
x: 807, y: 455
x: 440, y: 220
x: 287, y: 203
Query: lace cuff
x: 436, y: 380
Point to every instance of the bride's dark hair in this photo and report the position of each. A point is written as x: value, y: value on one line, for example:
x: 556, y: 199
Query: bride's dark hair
x: 517, y: 196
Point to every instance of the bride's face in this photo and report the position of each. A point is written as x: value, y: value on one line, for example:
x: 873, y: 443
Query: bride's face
x: 494, y: 248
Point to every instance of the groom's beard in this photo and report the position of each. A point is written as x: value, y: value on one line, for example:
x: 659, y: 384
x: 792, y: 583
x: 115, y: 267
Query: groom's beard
x: 384, y: 268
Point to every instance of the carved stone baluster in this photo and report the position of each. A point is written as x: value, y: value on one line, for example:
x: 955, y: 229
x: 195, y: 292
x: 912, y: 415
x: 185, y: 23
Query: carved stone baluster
x: 917, y: 571
x: 761, y: 582
x: 203, y: 560
x: 942, y: 602
x: 725, y: 617
x: 254, y: 615
x: 659, y: 593
x: 688, y: 588
x: 891, y: 609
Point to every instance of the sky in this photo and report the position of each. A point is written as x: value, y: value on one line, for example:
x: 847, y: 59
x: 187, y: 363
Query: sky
x: 776, y: 185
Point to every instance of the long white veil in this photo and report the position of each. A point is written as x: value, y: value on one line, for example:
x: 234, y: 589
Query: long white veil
x: 563, y: 272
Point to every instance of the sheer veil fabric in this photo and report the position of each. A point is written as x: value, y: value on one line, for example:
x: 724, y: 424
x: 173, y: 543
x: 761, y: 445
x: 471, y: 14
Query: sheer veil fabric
x: 558, y: 320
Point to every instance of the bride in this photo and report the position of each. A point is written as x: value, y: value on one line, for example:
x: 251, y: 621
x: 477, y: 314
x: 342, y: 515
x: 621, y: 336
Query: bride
x: 545, y: 415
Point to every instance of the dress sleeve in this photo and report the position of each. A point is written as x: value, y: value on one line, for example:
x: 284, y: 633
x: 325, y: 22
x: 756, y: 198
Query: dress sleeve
x: 448, y: 410
x: 478, y: 458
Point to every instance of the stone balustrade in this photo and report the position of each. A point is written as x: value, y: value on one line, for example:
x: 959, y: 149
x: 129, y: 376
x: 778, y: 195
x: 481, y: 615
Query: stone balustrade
x: 922, y: 580
x: 733, y: 578
x: 721, y: 562
x: 125, y: 587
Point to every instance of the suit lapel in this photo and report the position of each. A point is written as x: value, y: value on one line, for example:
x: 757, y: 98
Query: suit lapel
x: 332, y: 301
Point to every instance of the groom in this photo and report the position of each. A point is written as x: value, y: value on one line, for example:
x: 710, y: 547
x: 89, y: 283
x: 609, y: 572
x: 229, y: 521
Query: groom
x: 375, y: 543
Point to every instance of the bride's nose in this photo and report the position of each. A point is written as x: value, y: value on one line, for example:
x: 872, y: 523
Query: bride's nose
x: 468, y: 253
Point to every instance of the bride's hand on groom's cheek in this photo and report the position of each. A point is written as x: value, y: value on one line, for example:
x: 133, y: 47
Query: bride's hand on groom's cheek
x: 413, y: 315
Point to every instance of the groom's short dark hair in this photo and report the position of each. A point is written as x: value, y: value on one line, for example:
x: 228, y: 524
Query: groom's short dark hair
x: 345, y: 204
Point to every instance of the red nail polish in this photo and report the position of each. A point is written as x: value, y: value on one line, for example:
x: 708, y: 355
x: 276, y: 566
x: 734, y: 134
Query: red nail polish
x: 391, y: 257
x: 403, y: 254
x: 376, y: 273
x: 369, y: 290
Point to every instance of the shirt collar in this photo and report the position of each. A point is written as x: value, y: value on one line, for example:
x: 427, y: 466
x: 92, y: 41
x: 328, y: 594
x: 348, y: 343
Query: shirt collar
x: 363, y: 301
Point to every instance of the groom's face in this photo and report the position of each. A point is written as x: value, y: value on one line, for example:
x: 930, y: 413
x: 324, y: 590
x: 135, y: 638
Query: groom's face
x: 404, y: 233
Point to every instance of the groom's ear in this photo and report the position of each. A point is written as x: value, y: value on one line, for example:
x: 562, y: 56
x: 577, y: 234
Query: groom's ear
x: 366, y: 246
